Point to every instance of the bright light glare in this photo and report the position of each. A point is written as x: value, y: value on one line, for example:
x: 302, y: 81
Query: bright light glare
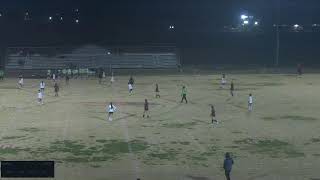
x: 243, y: 17
x: 296, y: 26
x: 246, y: 22
x: 256, y: 23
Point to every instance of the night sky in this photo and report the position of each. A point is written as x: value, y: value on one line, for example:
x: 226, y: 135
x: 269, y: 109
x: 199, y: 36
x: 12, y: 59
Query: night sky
x: 184, y: 13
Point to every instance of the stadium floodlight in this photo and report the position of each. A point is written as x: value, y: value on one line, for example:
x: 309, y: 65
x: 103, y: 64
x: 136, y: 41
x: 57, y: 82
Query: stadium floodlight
x: 243, y: 17
x: 246, y: 22
x: 296, y: 25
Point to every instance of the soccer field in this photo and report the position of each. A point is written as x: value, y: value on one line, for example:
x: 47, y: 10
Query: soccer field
x: 279, y: 140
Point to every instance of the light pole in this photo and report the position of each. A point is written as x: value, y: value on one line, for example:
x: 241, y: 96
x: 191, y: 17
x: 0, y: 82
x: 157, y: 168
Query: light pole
x: 277, y: 46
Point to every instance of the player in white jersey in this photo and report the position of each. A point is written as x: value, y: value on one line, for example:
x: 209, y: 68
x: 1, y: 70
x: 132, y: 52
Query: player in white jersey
x: 250, y: 102
x: 112, y: 78
x: 130, y: 87
x: 223, y: 81
x: 20, y: 82
x: 42, y: 86
x: 111, y: 109
x: 40, y: 97
x: 54, y: 77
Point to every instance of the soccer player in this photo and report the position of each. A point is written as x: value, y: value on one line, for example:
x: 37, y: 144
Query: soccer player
x: 231, y: 88
x: 227, y: 165
x: 42, y: 86
x: 40, y: 97
x: 56, y: 89
x: 131, y: 80
x: 112, y: 78
x: 250, y: 102
x: 100, y: 76
x: 157, y: 91
x: 146, y: 108
x: 111, y: 109
x: 20, y: 81
x: 54, y: 77
x: 184, y: 94
x: 213, y: 115
x: 223, y: 81
x: 130, y: 87
x: 67, y: 79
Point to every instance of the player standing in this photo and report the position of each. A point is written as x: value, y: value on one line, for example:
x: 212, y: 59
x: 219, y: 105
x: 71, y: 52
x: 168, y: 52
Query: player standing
x: 146, y: 108
x: 130, y: 87
x: 223, y: 81
x: 157, y: 91
x: 231, y: 88
x: 111, y: 109
x: 112, y: 78
x: 250, y: 102
x: 42, y: 86
x: 184, y: 94
x: 40, y: 97
x: 67, y: 79
x: 56, y: 89
x: 20, y: 81
x: 54, y: 77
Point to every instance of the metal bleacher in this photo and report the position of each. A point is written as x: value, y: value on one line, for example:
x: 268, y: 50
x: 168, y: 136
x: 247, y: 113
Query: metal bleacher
x: 91, y: 56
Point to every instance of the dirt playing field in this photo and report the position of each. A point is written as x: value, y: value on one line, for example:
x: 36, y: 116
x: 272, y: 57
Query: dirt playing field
x: 279, y: 140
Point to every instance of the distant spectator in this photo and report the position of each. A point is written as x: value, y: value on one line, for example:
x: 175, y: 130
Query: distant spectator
x: 227, y: 165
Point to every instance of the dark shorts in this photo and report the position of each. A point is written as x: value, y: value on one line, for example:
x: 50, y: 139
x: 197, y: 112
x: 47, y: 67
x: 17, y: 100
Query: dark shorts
x: 110, y: 112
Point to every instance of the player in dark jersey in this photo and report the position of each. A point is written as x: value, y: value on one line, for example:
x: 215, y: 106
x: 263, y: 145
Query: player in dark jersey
x: 157, y: 91
x: 231, y: 88
x: 213, y: 115
x: 56, y: 89
x: 146, y: 108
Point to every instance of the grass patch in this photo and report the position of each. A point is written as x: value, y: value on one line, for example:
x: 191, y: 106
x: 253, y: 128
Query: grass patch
x: 180, y: 125
x: 269, y: 118
x: 315, y: 140
x: 77, y: 152
x: 11, y: 137
x: 274, y: 148
x: 298, y: 118
x: 170, y: 156
x: 30, y: 129
x: 11, y: 150
x: 290, y: 117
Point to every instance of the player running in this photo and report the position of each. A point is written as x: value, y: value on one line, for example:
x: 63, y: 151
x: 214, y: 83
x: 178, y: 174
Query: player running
x: 213, y: 115
x: 111, y: 109
x: 40, y: 97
